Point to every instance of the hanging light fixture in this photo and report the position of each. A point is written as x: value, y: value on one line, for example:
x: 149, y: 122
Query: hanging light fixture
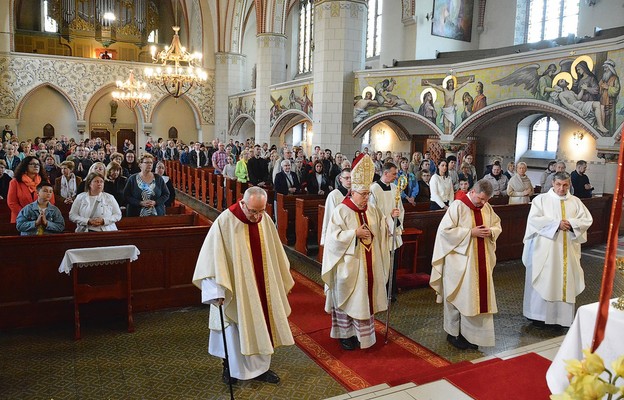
x: 132, y: 92
x: 179, y: 70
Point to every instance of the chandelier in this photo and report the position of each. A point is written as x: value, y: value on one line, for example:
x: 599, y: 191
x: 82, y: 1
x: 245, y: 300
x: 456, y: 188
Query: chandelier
x: 178, y: 71
x: 131, y: 92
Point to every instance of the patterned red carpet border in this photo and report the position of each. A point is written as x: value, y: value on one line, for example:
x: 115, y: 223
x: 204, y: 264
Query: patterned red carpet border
x: 331, y: 361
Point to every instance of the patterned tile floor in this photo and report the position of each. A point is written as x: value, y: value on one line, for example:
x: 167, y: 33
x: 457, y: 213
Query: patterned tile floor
x: 166, y: 357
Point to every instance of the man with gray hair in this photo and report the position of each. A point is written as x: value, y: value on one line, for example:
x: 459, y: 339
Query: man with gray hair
x: 242, y: 268
x: 556, y: 227
x: 463, y: 262
x: 609, y: 86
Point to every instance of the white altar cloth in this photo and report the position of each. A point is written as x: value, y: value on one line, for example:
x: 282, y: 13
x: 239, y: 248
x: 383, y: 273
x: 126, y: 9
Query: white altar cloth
x: 98, y: 256
x: 580, y: 337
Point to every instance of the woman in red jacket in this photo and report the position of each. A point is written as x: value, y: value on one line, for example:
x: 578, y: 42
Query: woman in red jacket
x: 23, y: 186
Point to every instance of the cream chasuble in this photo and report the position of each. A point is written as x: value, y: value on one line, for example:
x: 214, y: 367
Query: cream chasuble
x: 346, y: 272
x: 248, y: 261
x: 553, y: 257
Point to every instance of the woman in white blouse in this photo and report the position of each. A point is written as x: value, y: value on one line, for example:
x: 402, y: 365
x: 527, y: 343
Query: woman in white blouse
x: 95, y: 210
x: 441, y: 188
x: 520, y: 188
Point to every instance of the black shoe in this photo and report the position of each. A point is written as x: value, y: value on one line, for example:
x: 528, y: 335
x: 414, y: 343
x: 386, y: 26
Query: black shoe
x: 460, y: 344
x: 348, y: 344
x: 227, y: 379
x: 268, y: 377
x: 541, y: 325
x: 461, y: 338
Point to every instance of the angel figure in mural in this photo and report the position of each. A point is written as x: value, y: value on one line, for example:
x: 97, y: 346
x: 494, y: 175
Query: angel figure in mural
x: 540, y: 85
x: 360, y: 104
x: 590, y: 111
x: 427, y: 108
x: 385, y: 97
x: 609, y: 90
x: 277, y: 108
x: 449, y: 108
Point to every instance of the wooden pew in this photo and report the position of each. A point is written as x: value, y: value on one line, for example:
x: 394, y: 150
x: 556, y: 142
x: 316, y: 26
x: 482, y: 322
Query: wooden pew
x: 34, y: 293
x: 286, y: 213
x: 220, y: 192
x: 230, y: 192
x: 306, y: 214
x: 5, y: 212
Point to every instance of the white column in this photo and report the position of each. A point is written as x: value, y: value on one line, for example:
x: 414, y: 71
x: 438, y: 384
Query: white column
x: 270, y: 69
x: 339, y: 49
x: 228, y: 80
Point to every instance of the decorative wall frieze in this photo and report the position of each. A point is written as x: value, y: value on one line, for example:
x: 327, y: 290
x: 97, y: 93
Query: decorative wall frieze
x: 271, y: 40
x: 340, y: 9
x: 230, y: 58
x: 78, y: 80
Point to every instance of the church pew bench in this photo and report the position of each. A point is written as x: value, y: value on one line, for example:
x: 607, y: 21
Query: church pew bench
x: 220, y: 193
x: 34, y: 293
x: 285, y: 213
x: 306, y: 214
x: 230, y: 192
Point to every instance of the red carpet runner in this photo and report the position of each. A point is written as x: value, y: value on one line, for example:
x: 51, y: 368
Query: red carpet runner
x: 518, y: 378
x: 400, y: 361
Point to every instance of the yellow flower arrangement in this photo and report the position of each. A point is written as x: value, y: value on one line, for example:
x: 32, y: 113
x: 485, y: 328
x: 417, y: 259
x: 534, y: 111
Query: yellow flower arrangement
x: 586, y: 382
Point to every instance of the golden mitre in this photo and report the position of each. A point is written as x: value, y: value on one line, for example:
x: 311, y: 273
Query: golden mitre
x: 362, y: 173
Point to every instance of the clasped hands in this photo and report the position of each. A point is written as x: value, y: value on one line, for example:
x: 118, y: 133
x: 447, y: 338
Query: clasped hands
x: 565, y: 225
x: 97, y: 221
x: 41, y: 220
x: 148, y: 203
x: 481, y: 231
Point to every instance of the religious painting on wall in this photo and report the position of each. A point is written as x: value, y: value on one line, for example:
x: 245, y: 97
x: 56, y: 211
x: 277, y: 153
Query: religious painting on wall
x: 453, y: 19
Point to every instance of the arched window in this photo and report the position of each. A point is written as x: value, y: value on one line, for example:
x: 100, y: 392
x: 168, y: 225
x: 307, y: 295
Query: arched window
x: 544, y: 135
x: 153, y: 36
x: 551, y: 19
x: 373, y: 33
x: 49, y: 23
x: 306, y: 36
x: 366, y: 138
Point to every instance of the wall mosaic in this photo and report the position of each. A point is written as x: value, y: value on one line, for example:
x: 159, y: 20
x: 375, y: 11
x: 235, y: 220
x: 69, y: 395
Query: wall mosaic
x: 588, y: 86
x: 242, y: 105
x: 79, y: 80
x: 292, y: 98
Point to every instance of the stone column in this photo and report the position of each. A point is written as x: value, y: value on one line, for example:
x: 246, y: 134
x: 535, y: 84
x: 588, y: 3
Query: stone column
x: 339, y: 49
x: 228, y: 80
x: 6, y: 30
x: 610, y: 170
x: 270, y: 69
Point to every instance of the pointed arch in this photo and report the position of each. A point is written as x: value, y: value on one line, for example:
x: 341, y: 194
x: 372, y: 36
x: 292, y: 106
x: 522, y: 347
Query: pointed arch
x: 101, y: 92
x: 52, y: 86
x: 187, y: 100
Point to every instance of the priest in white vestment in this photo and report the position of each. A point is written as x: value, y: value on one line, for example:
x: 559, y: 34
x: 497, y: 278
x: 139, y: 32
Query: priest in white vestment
x: 242, y: 265
x: 356, y: 262
x: 334, y: 198
x: 463, y: 262
x: 383, y: 198
x: 556, y: 227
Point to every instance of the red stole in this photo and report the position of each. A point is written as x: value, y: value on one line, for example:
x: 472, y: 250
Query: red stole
x: 481, y: 258
x: 368, y: 250
x: 256, y: 254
